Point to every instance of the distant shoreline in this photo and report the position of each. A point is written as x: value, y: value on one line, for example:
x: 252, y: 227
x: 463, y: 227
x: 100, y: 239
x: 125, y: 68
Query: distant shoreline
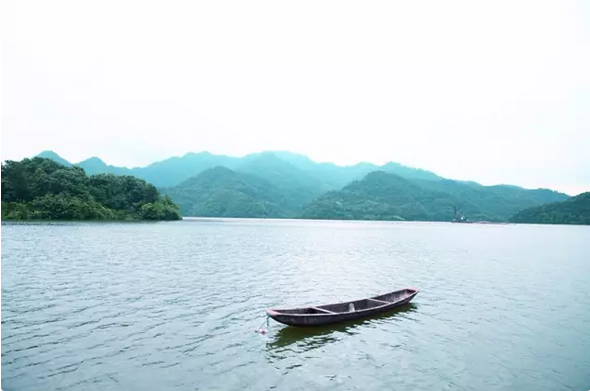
x: 189, y: 218
x: 212, y: 219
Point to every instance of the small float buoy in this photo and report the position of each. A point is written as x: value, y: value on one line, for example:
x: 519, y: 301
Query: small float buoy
x: 260, y: 330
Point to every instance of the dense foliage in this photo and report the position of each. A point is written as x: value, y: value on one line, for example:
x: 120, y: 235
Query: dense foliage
x: 575, y: 210
x: 43, y: 189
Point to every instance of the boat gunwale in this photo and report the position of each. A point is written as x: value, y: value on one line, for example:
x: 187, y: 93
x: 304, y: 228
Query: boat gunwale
x: 276, y: 312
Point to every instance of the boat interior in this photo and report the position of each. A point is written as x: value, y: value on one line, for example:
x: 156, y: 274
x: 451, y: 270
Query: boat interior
x: 396, y: 296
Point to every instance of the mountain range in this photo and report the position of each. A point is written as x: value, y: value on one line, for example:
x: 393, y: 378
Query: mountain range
x: 173, y: 171
x: 285, y: 184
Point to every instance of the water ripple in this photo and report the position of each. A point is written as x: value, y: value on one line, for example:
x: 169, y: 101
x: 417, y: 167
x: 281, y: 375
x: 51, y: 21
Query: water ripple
x: 174, y: 306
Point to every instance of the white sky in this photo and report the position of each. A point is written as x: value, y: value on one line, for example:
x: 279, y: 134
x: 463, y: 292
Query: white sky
x: 492, y: 91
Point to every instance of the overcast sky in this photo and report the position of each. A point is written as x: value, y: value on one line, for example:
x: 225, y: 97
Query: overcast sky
x: 496, y: 91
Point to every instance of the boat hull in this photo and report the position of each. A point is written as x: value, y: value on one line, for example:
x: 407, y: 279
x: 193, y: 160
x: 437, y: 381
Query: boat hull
x: 341, y: 312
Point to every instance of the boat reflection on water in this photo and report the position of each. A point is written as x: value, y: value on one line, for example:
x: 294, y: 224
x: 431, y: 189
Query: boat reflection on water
x: 303, y: 339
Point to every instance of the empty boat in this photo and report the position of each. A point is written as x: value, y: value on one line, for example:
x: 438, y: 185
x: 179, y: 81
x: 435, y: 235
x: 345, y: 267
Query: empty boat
x: 339, y: 312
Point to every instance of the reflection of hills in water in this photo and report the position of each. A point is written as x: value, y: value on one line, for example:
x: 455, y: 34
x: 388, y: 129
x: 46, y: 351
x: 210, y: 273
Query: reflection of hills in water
x: 303, y: 339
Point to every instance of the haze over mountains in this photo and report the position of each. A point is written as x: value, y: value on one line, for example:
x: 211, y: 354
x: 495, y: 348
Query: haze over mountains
x: 284, y: 184
x: 172, y: 171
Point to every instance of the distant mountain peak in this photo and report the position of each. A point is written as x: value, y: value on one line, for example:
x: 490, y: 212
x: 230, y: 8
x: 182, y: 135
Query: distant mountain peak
x: 48, y: 154
x: 214, y: 173
x: 409, y: 172
x: 202, y: 153
x: 93, y: 159
x: 380, y: 174
x: 380, y: 177
x: 266, y: 155
x: 291, y: 154
x: 218, y: 170
x: 391, y: 164
x: 364, y: 164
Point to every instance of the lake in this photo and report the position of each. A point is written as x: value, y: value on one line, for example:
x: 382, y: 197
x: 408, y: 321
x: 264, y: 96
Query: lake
x: 174, y: 306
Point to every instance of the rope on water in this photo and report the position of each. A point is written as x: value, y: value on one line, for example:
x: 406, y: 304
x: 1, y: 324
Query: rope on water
x: 260, y: 330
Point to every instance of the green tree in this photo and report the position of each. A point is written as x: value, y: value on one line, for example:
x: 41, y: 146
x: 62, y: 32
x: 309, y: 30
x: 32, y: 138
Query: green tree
x: 43, y: 189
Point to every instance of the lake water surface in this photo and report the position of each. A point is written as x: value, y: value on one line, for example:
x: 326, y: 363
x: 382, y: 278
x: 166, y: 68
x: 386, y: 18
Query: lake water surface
x: 173, y: 306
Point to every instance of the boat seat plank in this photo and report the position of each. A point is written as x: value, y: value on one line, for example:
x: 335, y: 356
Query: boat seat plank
x: 323, y: 310
x: 380, y: 301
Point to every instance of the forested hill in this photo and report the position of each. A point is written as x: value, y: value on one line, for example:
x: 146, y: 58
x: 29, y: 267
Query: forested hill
x: 221, y: 192
x: 43, y: 189
x: 575, y: 210
x: 384, y: 196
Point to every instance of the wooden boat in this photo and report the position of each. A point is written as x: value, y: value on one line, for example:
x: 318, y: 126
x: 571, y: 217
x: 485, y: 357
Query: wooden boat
x: 339, y: 312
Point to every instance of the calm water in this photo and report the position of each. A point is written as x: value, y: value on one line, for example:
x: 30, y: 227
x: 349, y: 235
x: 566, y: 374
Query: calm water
x: 173, y: 306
